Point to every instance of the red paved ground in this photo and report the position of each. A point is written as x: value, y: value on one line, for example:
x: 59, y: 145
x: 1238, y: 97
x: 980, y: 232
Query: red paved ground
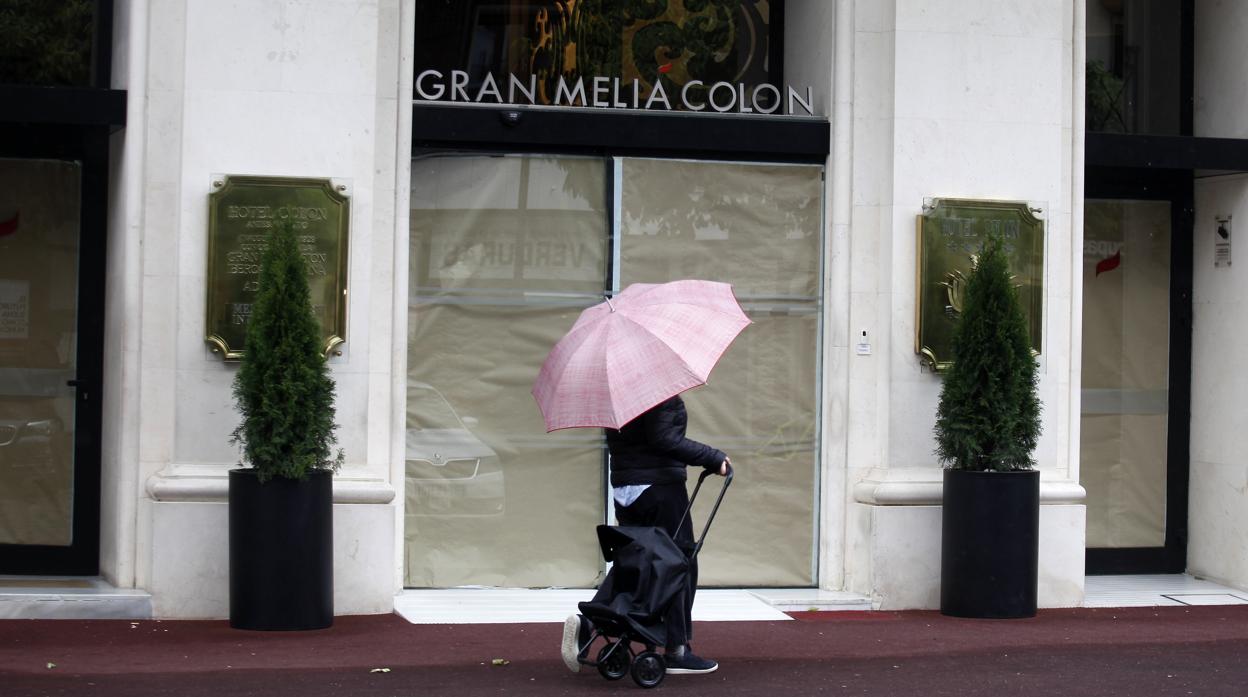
x: 1139, y: 652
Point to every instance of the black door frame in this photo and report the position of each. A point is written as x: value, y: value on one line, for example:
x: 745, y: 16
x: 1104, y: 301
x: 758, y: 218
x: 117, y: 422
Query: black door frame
x: 75, y: 124
x: 1175, y: 186
x: 88, y: 146
x: 1161, y: 167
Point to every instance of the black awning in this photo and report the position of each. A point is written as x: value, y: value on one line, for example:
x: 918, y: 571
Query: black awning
x: 69, y: 106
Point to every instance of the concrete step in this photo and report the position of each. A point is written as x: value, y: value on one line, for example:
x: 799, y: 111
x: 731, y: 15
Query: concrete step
x: 70, y: 598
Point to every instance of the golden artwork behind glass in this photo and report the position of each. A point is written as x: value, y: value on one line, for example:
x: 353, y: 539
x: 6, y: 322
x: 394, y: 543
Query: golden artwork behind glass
x: 676, y: 42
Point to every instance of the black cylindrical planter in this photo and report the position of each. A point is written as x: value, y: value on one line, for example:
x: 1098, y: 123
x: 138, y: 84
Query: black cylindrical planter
x: 281, y: 552
x: 989, y: 544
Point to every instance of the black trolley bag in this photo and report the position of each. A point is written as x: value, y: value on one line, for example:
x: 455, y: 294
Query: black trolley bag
x: 649, y: 572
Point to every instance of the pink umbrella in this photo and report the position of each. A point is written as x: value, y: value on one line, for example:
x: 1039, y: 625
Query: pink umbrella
x: 623, y: 356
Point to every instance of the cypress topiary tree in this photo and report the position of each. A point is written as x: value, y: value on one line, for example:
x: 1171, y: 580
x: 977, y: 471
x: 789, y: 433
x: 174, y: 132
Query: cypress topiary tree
x: 989, y: 413
x: 283, y: 389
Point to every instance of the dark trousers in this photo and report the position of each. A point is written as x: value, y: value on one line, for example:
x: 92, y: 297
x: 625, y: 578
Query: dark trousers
x: 661, y: 506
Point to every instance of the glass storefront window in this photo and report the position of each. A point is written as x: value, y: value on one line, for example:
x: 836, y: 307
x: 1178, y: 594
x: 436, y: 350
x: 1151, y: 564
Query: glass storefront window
x: 46, y: 43
x: 505, y: 253
x: 1125, y: 373
x: 39, y: 223
x: 757, y: 227
x: 673, y: 41
x: 1134, y: 67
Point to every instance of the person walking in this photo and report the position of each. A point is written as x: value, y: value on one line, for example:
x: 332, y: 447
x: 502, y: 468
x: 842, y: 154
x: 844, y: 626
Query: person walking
x: 649, y: 459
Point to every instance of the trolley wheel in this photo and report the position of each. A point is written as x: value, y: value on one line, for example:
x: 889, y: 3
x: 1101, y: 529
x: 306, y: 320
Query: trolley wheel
x: 649, y: 669
x: 613, y: 665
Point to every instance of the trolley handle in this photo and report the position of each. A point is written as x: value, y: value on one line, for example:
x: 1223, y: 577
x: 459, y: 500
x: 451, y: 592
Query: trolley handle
x: 710, y: 518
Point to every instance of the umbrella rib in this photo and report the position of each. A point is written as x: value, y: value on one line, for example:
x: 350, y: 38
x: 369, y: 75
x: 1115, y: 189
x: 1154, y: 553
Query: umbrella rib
x: 608, y: 371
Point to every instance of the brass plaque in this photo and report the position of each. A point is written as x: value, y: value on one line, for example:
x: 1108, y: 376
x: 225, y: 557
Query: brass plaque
x: 950, y: 232
x: 242, y: 212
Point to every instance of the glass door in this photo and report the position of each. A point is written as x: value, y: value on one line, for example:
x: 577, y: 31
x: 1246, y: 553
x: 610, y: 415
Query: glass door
x: 48, y: 461
x: 1133, y: 438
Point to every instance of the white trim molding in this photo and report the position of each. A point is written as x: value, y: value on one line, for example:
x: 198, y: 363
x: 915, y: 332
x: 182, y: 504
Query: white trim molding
x: 924, y: 487
x: 210, y: 483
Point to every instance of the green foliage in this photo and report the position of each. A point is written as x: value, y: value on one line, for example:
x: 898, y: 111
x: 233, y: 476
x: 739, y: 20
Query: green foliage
x: 283, y: 390
x: 989, y: 413
x: 1103, y: 99
x: 46, y: 42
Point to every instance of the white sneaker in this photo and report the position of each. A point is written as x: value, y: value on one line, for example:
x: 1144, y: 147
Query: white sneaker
x: 576, y: 634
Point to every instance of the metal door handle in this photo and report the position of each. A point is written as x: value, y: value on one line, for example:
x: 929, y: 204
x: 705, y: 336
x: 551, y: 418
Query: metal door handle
x: 82, y: 394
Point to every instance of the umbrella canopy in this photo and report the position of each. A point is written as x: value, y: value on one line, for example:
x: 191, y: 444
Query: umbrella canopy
x: 623, y: 356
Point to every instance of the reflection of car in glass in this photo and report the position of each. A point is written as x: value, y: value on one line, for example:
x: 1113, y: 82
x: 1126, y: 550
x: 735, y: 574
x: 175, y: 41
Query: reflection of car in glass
x: 27, y: 443
x: 450, y: 471
x: 34, y: 414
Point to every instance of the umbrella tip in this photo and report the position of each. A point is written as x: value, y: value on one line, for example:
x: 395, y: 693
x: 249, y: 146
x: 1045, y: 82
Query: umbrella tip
x: 608, y: 299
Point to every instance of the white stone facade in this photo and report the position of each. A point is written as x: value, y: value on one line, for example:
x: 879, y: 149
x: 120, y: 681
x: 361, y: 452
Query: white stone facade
x: 926, y: 98
x: 972, y: 100
x: 270, y: 88
x: 1218, y: 498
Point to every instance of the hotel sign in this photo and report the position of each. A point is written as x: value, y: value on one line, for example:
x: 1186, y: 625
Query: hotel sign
x: 243, y: 211
x: 614, y: 93
x: 951, y: 233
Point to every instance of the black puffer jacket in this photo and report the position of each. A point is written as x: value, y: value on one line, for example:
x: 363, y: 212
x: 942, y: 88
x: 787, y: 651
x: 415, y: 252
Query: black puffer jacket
x: 652, y: 448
